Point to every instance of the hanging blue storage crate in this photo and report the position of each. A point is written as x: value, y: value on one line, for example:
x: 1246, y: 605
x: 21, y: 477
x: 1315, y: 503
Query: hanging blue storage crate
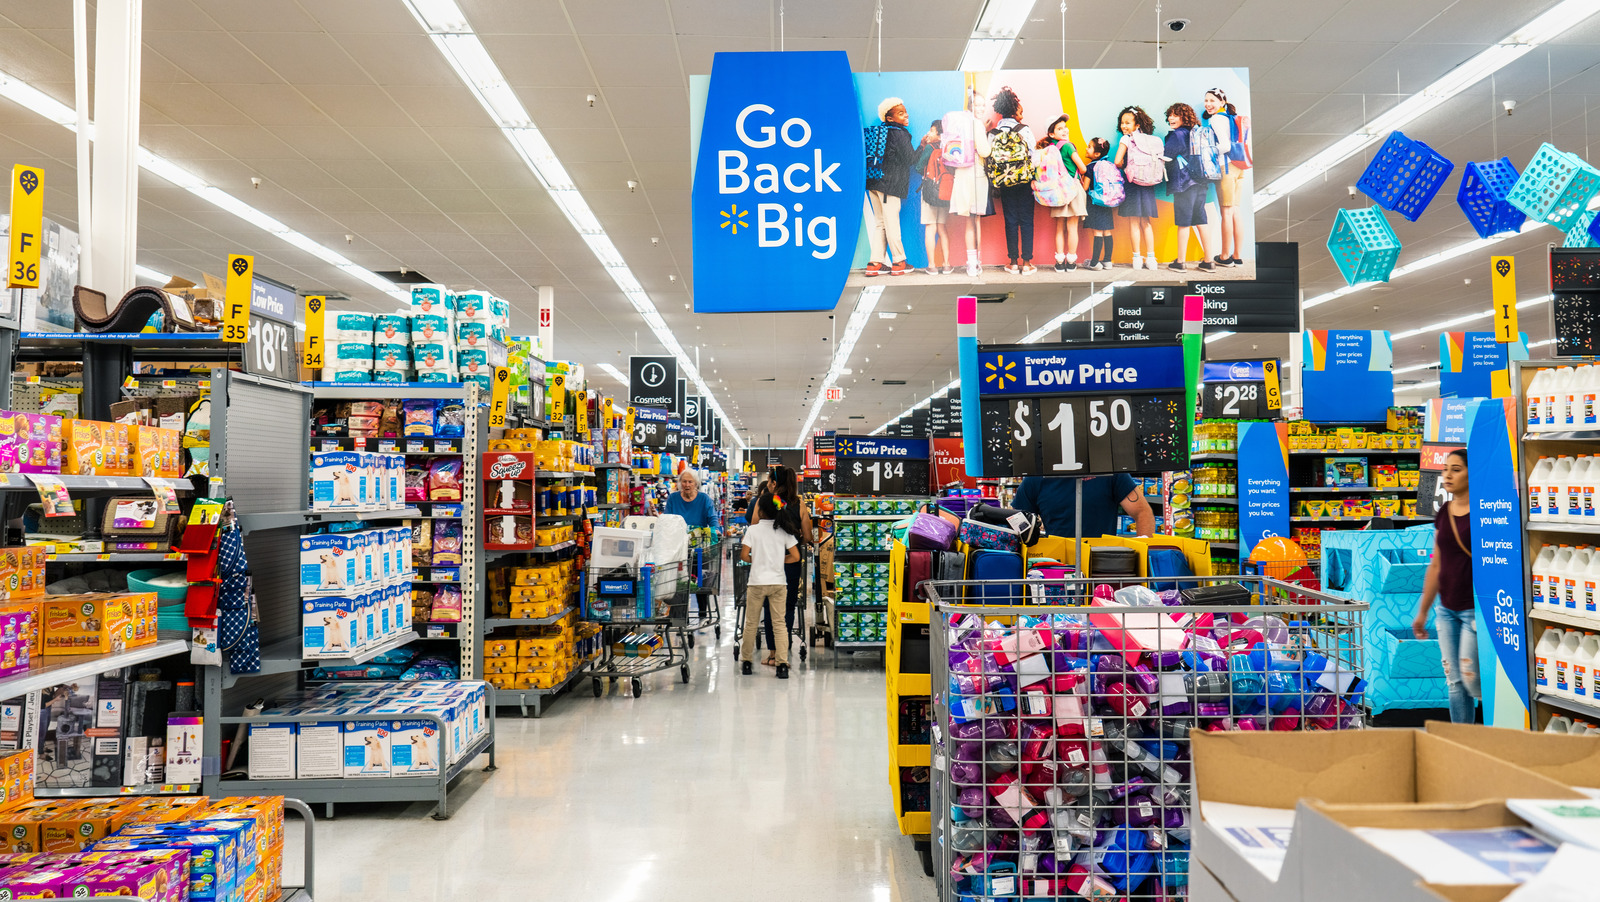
x: 1482, y: 196
x: 1363, y: 245
x: 1581, y: 234
x: 1555, y: 188
x: 1405, y: 175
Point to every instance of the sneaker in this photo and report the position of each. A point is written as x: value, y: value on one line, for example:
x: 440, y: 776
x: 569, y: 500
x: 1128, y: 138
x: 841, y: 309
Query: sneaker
x: 1067, y: 266
x: 1028, y: 269
x: 1176, y: 266
x: 1206, y: 266
x: 1097, y: 265
x: 900, y: 269
x: 1150, y: 262
x: 974, y: 270
x: 1235, y: 262
x: 1138, y: 262
x: 1222, y: 261
x: 746, y: 668
x: 783, y: 671
x: 1013, y: 269
x: 876, y: 269
x: 1061, y: 266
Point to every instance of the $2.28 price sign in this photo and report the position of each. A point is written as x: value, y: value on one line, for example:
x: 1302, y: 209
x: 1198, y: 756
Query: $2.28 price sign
x: 1240, y: 390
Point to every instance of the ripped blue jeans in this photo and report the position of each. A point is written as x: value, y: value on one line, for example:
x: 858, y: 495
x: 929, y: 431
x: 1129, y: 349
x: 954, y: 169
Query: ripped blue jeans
x: 1458, y: 645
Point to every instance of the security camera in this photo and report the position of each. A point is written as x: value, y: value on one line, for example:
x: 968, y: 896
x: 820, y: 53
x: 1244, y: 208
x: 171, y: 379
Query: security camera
x: 1510, y: 105
x: 592, y: 99
x: 1177, y: 24
x: 632, y: 186
x: 255, y: 182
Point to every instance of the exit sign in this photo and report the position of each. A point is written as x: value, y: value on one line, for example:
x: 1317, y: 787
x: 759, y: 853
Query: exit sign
x: 834, y: 394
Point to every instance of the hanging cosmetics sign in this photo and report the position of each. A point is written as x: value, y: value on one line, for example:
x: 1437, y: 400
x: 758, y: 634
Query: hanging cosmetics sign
x: 796, y: 157
x: 1078, y: 410
x: 652, y: 381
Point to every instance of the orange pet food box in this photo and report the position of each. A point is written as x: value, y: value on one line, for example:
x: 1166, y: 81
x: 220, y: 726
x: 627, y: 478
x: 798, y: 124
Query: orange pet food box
x: 93, y: 448
x: 91, y: 623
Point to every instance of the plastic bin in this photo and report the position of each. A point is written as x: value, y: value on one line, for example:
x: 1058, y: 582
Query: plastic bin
x: 1405, y: 175
x: 1363, y: 246
x: 1555, y: 187
x: 1482, y: 196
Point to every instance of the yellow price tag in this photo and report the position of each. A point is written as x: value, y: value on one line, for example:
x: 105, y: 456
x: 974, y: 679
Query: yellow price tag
x: 558, y: 397
x: 34, y: 380
x: 497, y: 397
x: 129, y: 382
x: 1503, y: 281
x: 236, y: 298
x: 1269, y: 373
x: 169, y: 383
x: 316, y: 306
x: 580, y: 408
x: 27, y: 226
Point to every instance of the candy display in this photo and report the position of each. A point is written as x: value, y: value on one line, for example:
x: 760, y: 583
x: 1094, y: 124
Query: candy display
x: 1066, y: 732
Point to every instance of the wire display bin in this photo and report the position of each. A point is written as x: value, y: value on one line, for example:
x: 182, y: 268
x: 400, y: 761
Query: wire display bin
x: 643, y: 613
x: 1060, y: 761
x: 708, y: 581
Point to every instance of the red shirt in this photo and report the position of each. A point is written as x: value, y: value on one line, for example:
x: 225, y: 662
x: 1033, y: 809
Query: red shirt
x: 1455, y: 564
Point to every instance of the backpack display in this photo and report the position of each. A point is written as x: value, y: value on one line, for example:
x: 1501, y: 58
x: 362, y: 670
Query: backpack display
x: 876, y: 139
x: 1050, y: 187
x: 1108, y: 190
x: 1165, y: 561
x: 936, y: 182
x: 1010, y: 159
x: 1239, y: 152
x: 956, y: 139
x: 1144, y: 160
x: 1205, y: 155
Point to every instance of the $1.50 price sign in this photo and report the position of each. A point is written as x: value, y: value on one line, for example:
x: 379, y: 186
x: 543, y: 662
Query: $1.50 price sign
x: 877, y: 466
x: 1240, y: 390
x: 1064, y: 410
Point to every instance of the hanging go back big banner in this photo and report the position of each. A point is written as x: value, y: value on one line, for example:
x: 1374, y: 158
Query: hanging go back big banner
x: 810, y: 179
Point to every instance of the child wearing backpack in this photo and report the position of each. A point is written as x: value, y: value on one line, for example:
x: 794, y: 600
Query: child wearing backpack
x: 888, y: 182
x: 1011, y: 170
x: 1061, y: 191
x: 1223, y: 118
x: 964, y: 149
x: 1188, y: 178
x: 1105, y: 193
x: 1139, y: 158
x: 936, y: 184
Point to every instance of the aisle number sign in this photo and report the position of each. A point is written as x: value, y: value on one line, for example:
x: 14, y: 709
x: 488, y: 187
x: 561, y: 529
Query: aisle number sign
x: 236, y: 298
x: 580, y: 411
x: 497, y: 397
x: 558, y: 399
x: 1503, y: 281
x: 1269, y: 373
x: 27, y: 224
x: 316, y: 305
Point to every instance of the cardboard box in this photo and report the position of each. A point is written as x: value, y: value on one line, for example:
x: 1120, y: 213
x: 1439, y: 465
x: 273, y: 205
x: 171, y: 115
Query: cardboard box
x: 1391, y: 772
x: 1570, y: 760
x: 91, y: 623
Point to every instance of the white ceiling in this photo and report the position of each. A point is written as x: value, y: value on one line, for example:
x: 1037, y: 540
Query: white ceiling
x: 357, y: 126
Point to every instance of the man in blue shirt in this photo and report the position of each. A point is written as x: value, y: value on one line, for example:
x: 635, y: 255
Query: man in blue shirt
x: 1055, y: 499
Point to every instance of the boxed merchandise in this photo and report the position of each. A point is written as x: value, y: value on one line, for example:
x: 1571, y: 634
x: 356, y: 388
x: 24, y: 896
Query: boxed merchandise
x: 366, y: 748
x: 339, y: 479
x: 432, y: 298
x: 414, y: 748
x: 331, y: 627
x: 1345, y: 472
x: 30, y: 443
x: 91, y: 623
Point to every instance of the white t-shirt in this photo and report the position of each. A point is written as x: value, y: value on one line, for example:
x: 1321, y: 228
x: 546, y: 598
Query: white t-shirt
x: 768, y: 544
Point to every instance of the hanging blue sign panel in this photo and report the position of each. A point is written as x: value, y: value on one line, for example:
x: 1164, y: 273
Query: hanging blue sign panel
x: 1469, y: 360
x: 1347, y: 376
x: 1263, y: 483
x: 1496, y: 544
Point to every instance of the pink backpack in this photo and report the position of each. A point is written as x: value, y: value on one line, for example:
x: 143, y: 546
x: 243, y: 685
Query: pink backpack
x: 1144, y: 165
x: 1050, y: 187
x: 1108, y: 190
x: 956, y: 139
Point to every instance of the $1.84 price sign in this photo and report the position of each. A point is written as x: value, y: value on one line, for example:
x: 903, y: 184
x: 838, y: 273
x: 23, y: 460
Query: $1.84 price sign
x: 885, y: 477
x: 872, y: 466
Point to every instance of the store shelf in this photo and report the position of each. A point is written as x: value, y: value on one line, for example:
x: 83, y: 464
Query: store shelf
x: 53, y: 669
x: 542, y: 621
x: 1212, y: 457
x: 1212, y: 499
x: 553, y: 474
x: 613, y: 466
x: 1567, y: 704
x: 1232, y: 545
x: 860, y: 608
x: 357, y: 789
x: 1358, y: 521
x: 1581, y: 435
x: 843, y: 517
x: 288, y: 519
x: 860, y: 555
x: 1356, y: 452
x: 1549, y: 615
x: 165, y: 340
x: 428, y: 446
x: 131, y: 557
x: 287, y: 656
x: 362, y: 391
x: 20, y: 481
x: 1347, y: 490
x: 543, y: 520
x: 519, y: 697
x: 859, y: 645
x: 1575, y: 528
x: 95, y: 792
x: 612, y: 507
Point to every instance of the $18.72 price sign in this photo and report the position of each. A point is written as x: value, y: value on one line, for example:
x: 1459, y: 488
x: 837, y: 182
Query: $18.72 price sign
x: 1240, y: 390
x: 874, y: 466
x: 1063, y: 410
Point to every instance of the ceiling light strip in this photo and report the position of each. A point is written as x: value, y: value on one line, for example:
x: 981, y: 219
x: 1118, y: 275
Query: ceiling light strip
x: 866, y: 303
x: 452, y: 34
x: 1551, y: 24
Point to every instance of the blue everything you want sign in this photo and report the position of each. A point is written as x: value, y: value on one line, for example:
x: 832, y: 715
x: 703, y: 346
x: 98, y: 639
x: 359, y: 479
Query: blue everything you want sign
x: 779, y: 179
x: 1062, y: 370
x: 1263, y: 483
x: 1496, y: 543
x: 898, y: 449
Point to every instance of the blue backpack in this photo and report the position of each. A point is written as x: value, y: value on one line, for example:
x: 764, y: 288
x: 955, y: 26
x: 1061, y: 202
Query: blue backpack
x: 1165, y: 562
x: 876, y: 139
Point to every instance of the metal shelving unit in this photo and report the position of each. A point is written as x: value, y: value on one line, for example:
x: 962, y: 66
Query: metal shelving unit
x: 52, y: 670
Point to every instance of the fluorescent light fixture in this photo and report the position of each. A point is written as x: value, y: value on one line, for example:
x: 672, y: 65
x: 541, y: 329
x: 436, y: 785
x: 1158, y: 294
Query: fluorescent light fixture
x: 997, y: 29
x: 1443, y: 325
x: 985, y: 55
x: 61, y: 114
x: 1550, y: 24
x: 455, y: 39
x: 1412, y: 369
x: 614, y: 373
x: 866, y: 303
x: 145, y: 272
x: 1420, y: 386
x: 1217, y: 336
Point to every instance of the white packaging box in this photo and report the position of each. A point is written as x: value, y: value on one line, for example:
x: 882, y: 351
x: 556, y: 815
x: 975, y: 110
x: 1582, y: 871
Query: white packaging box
x: 330, y: 626
x: 183, y: 748
x: 338, y: 480
x: 366, y: 748
x: 331, y: 564
x: 319, y: 750
x: 272, y: 747
x: 415, y: 748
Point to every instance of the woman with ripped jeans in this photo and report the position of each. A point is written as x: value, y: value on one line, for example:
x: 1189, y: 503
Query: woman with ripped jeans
x: 1450, y: 578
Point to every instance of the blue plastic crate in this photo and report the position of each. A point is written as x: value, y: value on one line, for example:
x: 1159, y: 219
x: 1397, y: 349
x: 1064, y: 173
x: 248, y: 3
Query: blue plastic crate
x: 1580, y: 235
x: 1363, y: 245
x: 1555, y: 187
x: 1482, y: 196
x: 1405, y: 175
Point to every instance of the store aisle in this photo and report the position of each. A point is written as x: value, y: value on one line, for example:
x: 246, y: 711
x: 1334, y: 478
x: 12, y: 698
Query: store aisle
x: 728, y: 787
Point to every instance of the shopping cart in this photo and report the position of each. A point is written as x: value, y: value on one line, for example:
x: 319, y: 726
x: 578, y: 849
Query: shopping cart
x: 708, y: 581
x: 643, y: 612
x: 1067, y: 723
x: 798, y: 634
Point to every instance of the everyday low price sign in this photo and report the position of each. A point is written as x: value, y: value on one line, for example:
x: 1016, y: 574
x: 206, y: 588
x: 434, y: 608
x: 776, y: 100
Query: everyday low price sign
x: 866, y: 465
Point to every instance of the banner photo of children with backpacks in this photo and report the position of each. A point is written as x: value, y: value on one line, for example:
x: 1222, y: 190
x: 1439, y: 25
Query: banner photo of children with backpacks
x: 1023, y: 196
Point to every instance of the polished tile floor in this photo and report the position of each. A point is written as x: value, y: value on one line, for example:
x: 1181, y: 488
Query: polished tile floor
x: 729, y: 787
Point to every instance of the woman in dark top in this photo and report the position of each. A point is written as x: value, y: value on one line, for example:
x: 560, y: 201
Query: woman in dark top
x: 1450, y: 578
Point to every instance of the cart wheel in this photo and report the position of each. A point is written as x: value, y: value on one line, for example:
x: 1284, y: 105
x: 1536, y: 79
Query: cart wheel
x: 925, y: 852
x: 691, y: 640
x: 638, y: 690
x: 684, y: 672
x: 719, y: 632
x: 597, y: 690
x: 802, y: 653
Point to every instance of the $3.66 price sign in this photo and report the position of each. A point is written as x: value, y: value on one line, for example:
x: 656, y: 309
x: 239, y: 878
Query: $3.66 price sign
x: 874, y: 466
x: 1240, y: 390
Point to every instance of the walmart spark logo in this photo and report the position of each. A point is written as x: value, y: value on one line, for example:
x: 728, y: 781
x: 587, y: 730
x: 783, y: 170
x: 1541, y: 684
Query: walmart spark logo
x: 734, y: 219
x: 846, y: 448
x: 999, y: 371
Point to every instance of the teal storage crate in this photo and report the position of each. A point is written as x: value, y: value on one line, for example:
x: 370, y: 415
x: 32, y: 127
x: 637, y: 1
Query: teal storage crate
x: 1363, y: 245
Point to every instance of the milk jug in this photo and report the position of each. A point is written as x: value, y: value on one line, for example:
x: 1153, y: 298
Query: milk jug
x: 1588, y: 387
x: 1590, y: 599
x: 1555, y: 489
x: 1537, y: 390
x: 1572, y: 491
x: 1541, y: 564
x: 1537, y: 480
x: 1572, y: 578
x: 1544, y: 660
x: 1558, y: 724
x: 1554, y: 399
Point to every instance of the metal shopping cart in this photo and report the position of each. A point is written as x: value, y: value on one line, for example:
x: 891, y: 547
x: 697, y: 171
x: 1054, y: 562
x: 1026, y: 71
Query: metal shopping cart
x: 643, y: 612
x: 708, y: 581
